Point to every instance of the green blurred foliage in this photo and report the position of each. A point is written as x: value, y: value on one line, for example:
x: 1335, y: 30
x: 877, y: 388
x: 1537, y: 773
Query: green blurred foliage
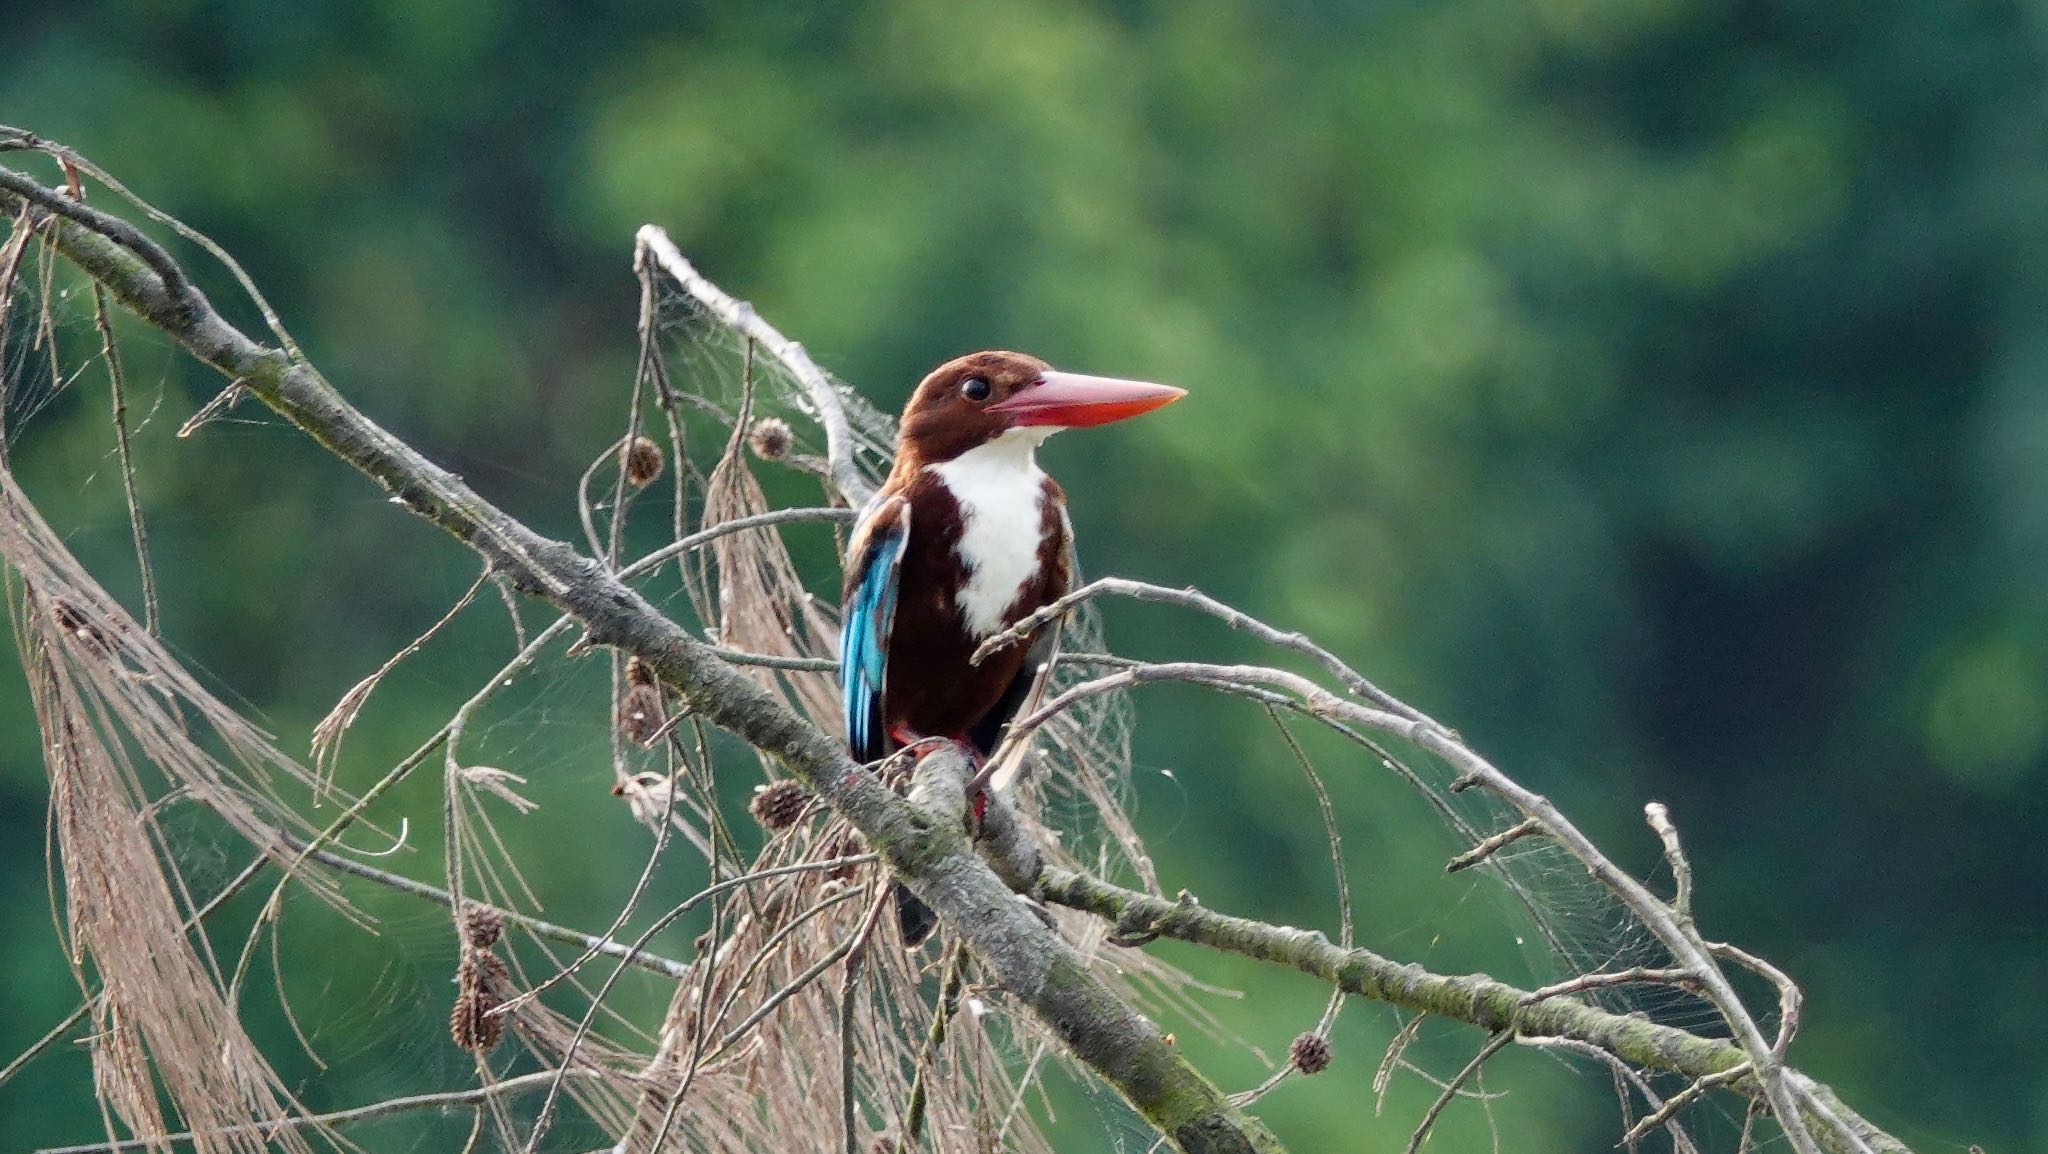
x: 1651, y: 388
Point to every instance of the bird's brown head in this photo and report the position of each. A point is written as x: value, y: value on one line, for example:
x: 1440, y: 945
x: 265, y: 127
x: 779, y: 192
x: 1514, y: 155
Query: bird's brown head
x: 972, y: 400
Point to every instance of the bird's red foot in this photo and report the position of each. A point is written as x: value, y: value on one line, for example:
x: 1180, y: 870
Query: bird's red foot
x: 918, y: 747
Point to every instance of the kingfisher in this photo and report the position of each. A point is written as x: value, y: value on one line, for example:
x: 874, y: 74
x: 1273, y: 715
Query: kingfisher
x: 965, y: 538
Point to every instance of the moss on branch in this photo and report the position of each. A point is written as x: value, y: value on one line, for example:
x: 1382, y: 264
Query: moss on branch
x: 1474, y: 999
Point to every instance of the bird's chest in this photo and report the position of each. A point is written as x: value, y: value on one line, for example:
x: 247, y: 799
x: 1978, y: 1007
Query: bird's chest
x: 992, y: 519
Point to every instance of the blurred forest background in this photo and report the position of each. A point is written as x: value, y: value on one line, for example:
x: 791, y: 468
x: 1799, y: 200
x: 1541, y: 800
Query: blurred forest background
x: 1653, y: 389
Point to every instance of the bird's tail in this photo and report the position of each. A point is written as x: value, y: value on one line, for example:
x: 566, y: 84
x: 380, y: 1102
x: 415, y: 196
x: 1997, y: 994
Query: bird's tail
x: 914, y: 918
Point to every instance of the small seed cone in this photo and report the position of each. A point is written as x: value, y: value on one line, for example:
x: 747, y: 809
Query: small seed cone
x: 771, y: 438
x: 1310, y: 1053
x: 640, y: 715
x: 472, y: 1024
x: 643, y: 462
x: 779, y: 805
x: 482, y: 926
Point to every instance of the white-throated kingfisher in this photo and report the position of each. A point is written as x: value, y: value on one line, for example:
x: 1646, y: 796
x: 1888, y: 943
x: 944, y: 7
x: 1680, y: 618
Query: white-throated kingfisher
x: 966, y: 537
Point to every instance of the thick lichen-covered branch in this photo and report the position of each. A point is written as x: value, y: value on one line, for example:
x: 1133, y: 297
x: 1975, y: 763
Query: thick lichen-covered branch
x: 932, y: 857
x: 1474, y: 999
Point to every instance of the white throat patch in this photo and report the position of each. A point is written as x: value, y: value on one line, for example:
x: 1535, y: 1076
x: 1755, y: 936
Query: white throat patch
x: 1001, y: 493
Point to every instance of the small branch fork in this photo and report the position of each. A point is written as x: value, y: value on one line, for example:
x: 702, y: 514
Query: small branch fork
x: 1679, y: 1101
x: 1493, y: 845
x: 1494, y: 1045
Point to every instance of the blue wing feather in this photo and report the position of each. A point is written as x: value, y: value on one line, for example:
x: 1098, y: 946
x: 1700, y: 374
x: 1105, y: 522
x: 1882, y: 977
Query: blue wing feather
x: 868, y: 616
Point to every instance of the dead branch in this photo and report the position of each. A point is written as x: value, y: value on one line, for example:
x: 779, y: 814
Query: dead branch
x: 1195, y: 599
x: 653, y: 244
x: 1681, y: 1142
x: 1493, y: 845
x: 1494, y: 1045
x: 1679, y: 1101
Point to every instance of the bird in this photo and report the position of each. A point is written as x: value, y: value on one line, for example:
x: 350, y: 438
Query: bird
x: 965, y: 538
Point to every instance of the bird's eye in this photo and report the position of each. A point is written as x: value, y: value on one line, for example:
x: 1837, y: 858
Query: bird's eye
x: 974, y: 389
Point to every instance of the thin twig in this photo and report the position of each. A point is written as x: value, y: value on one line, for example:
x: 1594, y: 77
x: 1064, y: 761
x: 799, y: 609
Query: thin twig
x: 776, y: 660
x: 110, y: 352
x: 54, y: 1035
x: 1396, y: 1046
x: 768, y: 950
x: 586, y: 511
x: 1682, y: 1099
x: 1600, y: 981
x: 1493, y: 845
x: 647, y: 563
x: 789, y: 989
x: 219, y: 403
x: 928, y: 1054
x: 545, y: 1117
x: 1789, y: 998
x: 1493, y: 1046
x: 1681, y: 870
x: 673, y: 1108
x: 1343, y: 881
x: 1681, y: 1142
x: 1191, y: 598
x: 849, y: 988
x: 624, y: 915
x: 327, y: 734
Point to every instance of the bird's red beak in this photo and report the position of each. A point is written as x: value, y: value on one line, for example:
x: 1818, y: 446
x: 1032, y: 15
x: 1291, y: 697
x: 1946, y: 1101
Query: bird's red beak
x: 1075, y: 401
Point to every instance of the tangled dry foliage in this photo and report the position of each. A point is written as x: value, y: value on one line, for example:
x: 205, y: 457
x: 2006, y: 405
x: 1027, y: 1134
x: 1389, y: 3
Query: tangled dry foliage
x: 794, y: 998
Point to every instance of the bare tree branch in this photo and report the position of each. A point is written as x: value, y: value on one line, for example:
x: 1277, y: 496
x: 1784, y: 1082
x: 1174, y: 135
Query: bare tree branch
x: 1676, y: 932
x: 831, y: 412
